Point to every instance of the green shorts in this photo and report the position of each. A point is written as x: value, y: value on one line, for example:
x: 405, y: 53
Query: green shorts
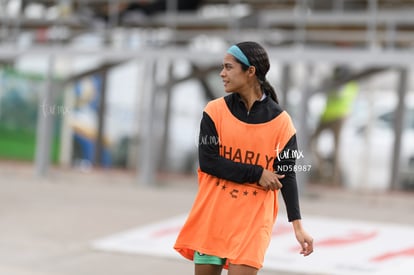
x: 200, y: 258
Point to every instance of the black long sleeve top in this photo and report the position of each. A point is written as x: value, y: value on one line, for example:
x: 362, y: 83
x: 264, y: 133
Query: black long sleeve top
x: 212, y: 163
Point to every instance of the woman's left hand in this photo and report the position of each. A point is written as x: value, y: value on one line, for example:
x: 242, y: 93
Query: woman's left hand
x: 305, y: 240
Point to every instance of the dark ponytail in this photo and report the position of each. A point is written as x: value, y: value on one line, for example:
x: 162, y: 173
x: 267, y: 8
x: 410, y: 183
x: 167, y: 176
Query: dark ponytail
x: 258, y: 58
x: 268, y: 89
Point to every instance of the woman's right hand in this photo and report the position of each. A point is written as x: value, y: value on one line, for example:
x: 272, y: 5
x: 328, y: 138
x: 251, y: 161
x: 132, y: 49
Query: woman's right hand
x: 270, y: 180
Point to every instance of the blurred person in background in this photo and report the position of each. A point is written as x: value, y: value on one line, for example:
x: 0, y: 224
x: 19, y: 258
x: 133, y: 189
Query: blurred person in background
x: 246, y: 139
x: 152, y: 7
x: 337, y: 108
x: 129, y: 9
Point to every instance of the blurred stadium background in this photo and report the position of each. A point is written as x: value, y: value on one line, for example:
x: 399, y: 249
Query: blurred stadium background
x: 121, y: 85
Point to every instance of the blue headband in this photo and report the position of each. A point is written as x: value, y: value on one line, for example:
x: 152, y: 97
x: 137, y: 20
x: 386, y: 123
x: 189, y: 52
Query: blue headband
x: 237, y: 53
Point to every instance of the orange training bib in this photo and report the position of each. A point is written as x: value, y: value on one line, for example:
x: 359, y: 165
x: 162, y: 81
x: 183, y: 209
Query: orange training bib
x: 228, y: 219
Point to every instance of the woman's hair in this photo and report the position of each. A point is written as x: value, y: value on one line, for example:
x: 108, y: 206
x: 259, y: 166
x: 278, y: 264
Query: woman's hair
x: 258, y: 58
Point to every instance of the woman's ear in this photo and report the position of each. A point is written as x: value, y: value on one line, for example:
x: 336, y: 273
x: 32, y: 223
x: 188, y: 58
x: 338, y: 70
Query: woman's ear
x: 252, y: 70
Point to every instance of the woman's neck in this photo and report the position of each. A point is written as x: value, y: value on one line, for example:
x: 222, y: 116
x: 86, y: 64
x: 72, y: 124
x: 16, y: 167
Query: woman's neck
x: 251, y: 96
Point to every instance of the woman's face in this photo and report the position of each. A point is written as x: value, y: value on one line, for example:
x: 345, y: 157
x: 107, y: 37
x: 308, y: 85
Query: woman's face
x: 234, y: 78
